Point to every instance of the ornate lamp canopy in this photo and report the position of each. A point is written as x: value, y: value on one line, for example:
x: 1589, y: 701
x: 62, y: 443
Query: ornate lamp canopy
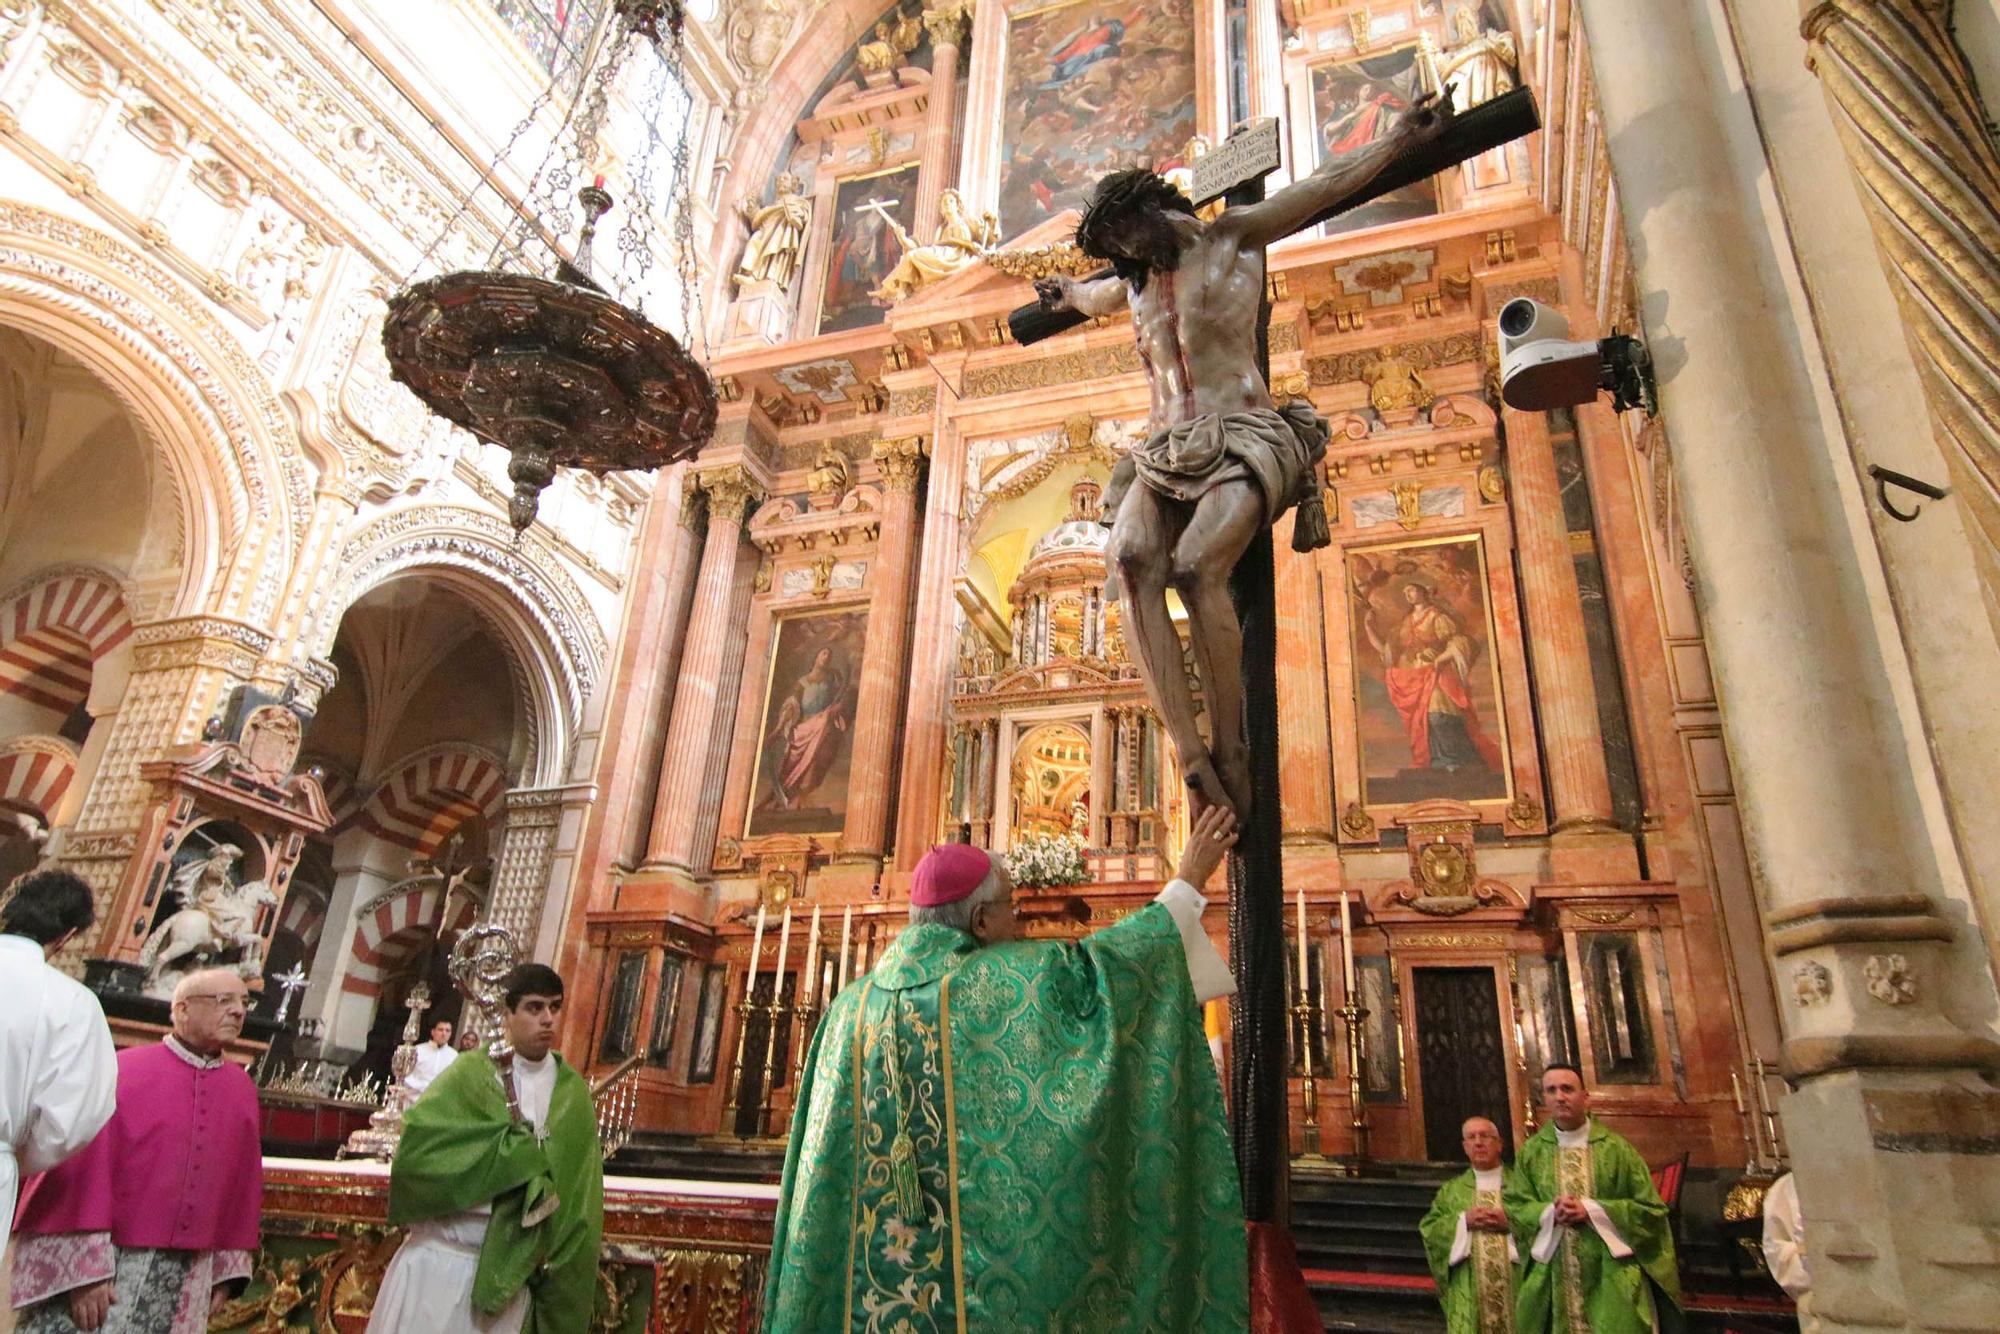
x: 554, y: 370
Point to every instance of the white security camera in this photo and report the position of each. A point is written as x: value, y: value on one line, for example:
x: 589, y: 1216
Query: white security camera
x: 1542, y: 368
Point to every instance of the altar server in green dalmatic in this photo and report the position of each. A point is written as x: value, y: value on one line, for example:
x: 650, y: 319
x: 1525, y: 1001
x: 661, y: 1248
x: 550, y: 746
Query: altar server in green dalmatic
x: 1600, y: 1244
x: 503, y: 1195
x: 1469, y: 1240
x: 996, y: 1134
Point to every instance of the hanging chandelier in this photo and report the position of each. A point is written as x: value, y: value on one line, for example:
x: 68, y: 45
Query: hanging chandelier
x: 556, y: 370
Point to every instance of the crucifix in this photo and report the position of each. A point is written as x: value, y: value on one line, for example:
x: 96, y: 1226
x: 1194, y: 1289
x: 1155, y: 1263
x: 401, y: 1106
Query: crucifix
x: 290, y: 982
x: 1191, y: 508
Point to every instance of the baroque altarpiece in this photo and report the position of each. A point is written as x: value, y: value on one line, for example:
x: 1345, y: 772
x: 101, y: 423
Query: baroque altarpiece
x: 887, y: 622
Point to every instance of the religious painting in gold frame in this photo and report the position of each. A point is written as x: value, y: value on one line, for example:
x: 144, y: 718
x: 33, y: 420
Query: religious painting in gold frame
x: 805, y: 741
x: 1429, y: 719
x: 1356, y: 100
x: 1090, y: 87
x: 862, y: 246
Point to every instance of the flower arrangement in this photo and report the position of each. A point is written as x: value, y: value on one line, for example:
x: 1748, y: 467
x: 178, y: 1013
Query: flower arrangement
x: 1045, y: 861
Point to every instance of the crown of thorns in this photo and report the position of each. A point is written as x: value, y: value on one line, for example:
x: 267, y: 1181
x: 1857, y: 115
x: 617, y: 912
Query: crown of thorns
x: 1119, y: 196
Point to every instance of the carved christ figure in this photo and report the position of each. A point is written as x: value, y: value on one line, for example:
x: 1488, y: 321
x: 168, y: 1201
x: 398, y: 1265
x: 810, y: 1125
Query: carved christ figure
x: 1220, y: 459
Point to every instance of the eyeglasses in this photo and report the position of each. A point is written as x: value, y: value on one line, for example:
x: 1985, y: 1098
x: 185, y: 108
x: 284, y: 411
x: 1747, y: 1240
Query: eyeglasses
x: 223, y: 1000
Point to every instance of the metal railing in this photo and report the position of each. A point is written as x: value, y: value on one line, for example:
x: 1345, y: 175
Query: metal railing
x: 616, y: 1096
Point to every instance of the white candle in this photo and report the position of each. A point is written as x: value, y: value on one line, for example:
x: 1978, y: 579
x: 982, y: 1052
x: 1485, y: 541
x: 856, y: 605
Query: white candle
x: 1736, y: 1091
x: 784, y: 947
x: 846, y: 930
x: 756, y: 953
x: 810, y: 982
x: 1346, y: 951
x: 1302, y: 940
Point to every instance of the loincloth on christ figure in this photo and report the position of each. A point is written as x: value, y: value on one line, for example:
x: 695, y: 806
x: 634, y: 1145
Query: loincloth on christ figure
x: 1277, y: 448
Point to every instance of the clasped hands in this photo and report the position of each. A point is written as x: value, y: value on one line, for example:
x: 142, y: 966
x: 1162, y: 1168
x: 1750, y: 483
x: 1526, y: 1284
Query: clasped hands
x: 1487, y: 1218
x: 1570, y: 1211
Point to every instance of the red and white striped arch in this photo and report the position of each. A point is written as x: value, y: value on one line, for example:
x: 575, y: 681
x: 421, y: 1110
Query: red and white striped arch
x: 396, y: 927
x: 52, y: 635
x: 431, y: 795
x: 35, y: 773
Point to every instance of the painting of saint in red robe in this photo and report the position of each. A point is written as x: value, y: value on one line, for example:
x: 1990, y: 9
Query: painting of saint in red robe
x: 1356, y: 102
x: 805, y: 750
x: 1427, y: 693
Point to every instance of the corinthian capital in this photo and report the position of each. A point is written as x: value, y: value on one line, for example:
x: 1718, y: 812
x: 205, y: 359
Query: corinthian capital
x: 901, y: 460
x: 731, y: 493
x: 948, y: 21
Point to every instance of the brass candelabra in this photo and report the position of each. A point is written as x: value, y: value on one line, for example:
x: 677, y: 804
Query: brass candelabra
x: 1306, y: 1012
x: 1357, y: 1105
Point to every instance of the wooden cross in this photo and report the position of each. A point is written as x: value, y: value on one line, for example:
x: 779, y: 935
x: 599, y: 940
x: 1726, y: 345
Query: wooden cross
x: 1259, y: 1015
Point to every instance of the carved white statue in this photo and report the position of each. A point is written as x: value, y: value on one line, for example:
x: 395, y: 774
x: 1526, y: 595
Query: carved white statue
x: 217, y: 914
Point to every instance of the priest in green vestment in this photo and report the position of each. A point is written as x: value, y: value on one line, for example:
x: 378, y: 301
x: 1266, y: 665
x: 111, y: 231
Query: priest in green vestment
x: 1469, y: 1239
x: 1600, y: 1244
x: 1002, y: 1135
x: 502, y: 1190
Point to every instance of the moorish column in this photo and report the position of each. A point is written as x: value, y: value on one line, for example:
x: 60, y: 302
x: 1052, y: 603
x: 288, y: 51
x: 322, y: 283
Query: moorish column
x: 1883, y: 995
x: 1909, y: 117
x: 1565, y: 693
x: 882, y: 677
x: 714, y: 624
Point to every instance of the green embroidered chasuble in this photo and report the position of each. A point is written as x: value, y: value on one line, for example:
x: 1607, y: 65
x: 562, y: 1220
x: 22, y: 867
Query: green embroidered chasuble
x: 1018, y: 1137
x: 461, y: 1149
x: 1584, y: 1288
x: 1478, y: 1292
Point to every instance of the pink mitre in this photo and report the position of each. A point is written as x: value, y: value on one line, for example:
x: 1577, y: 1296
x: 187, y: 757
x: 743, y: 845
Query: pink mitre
x: 949, y: 872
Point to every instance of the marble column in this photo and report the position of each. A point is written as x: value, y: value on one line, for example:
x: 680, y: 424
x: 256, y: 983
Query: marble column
x: 882, y: 667
x: 714, y: 627
x: 1903, y: 100
x: 1884, y: 1010
x: 1305, y: 738
x: 933, y: 649
x: 948, y: 22
x: 654, y: 662
x: 1552, y: 613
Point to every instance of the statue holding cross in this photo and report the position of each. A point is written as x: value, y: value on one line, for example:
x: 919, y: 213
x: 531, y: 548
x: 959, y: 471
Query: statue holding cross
x: 1221, y: 462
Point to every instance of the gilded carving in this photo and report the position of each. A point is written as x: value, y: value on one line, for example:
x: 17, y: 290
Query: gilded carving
x: 1065, y: 368
x: 901, y: 461
x: 1890, y: 978
x: 1348, y: 367
x: 1409, y: 503
x: 831, y: 476
x: 731, y: 494
x: 962, y: 238
x: 1492, y: 484
x: 895, y: 37
x: 1042, y: 261
x: 1355, y: 822
x: 949, y: 21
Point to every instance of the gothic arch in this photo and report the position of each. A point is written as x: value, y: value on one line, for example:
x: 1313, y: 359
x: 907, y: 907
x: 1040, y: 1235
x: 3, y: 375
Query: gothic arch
x: 231, y: 452
x: 537, y: 612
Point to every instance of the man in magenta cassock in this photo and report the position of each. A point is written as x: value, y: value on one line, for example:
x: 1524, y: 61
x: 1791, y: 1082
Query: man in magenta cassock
x: 152, y: 1226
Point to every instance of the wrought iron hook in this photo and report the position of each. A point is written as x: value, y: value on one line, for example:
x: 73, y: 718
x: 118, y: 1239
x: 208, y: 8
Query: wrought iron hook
x: 1886, y: 478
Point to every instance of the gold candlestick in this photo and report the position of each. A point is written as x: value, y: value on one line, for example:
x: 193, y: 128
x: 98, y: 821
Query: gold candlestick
x: 743, y: 1017
x: 1307, y: 1014
x: 1357, y: 1119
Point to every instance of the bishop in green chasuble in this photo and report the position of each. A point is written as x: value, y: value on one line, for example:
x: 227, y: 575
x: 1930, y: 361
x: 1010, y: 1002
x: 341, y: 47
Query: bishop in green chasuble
x: 1015, y: 1135
x: 1469, y: 1242
x: 1600, y: 1243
